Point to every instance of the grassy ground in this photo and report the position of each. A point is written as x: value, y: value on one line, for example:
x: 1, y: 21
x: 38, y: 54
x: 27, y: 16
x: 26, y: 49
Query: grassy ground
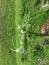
x: 20, y: 26
x: 7, y: 33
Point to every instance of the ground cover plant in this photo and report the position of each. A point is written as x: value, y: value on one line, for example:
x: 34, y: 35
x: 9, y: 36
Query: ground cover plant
x: 21, y: 38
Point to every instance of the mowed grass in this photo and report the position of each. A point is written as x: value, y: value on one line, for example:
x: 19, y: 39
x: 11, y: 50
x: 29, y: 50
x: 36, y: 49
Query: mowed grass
x: 7, y: 36
x: 22, y: 15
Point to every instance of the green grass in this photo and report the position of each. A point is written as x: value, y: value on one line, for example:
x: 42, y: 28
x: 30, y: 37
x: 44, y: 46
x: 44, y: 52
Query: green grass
x: 30, y: 18
x: 7, y: 36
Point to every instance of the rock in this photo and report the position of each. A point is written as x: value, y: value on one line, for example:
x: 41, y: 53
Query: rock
x: 46, y: 41
x: 41, y: 61
x: 45, y: 29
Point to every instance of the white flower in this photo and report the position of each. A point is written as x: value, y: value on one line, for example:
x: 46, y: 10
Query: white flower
x: 22, y: 32
x: 18, y: 49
